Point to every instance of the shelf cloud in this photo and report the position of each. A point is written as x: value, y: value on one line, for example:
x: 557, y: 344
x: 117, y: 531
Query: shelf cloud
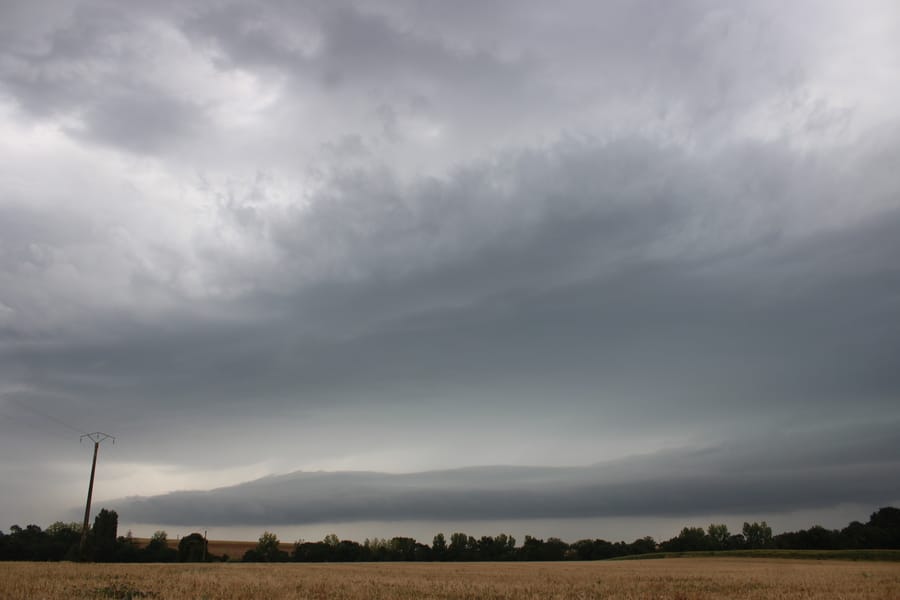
x: 388, y: 246
x: 774, y: 474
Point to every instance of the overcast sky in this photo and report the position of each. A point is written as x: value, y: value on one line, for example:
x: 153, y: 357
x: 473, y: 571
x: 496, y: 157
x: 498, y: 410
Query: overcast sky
x: 601, y: 269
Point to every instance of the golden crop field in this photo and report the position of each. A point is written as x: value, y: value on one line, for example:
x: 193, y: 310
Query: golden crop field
x: 684, y: 579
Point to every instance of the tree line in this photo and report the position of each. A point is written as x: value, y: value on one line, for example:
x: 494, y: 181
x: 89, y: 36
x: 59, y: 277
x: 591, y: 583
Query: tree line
x: 61, y: 541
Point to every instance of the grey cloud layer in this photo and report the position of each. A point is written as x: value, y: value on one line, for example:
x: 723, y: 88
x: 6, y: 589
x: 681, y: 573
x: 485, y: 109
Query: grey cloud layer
x: 619, y: 280
x: 622, y: 221
x: 500, y: 72
x: 96, y: 71
x: 779, y: 475
x: 583, y: 260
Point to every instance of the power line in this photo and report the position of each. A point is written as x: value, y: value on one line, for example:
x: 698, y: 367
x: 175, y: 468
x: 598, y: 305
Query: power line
x: 97, y: 437
x: 41, y: 413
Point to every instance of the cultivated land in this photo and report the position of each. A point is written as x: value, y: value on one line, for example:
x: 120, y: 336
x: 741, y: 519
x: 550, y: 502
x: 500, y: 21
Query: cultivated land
x: 682, y: 578
x: 234, y: 549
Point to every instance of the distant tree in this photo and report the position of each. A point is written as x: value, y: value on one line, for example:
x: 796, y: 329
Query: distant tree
x: 599, y: 549
x: 484, y: 549
x: 59, y: 528
x: 376, y: 549
x: 251, y: 556
x: 25, y: 544
x: 439, y: 547
x: 103, y: 536
x: 758, y: 535
x: 584, y: 549
x: 348, y: 551
x: 62, y: 541
x: 501, y: 547
x: 718, y: 536
x: 505, y: 547
x: 459, y: 548
x: 537, y: 549
x: 531, y: 548
x: 192, y: 548
x: 127, y: 550
x: 158, y: 550
x: 887, y: 521
x: 422, y: 553
x: 554, y: 549
x: 330, y: 549
x: 814, y: 538
x: 312, y: 552
x: 268, y: 548
x: 691, y: 539
x: 644, y: 545
x: 886, y: 518
x: 402, y: 548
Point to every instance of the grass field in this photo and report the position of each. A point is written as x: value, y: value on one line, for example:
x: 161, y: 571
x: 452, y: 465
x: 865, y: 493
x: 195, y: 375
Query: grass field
x: 681, y: 579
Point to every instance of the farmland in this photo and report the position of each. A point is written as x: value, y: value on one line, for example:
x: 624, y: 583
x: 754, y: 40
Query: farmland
x: 685, y: 578
x: 233, y: 549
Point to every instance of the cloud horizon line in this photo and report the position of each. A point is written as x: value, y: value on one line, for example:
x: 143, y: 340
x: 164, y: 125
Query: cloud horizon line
x: 731, y: 478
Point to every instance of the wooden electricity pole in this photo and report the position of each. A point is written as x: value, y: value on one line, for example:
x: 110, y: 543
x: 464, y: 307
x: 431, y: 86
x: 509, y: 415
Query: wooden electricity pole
x: 95, y: 437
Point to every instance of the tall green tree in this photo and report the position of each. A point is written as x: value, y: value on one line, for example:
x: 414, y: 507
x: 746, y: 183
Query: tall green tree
x: 268, y: 548
x: 758, y: 535
x: 718, y: 535
x: 459, y: 548
x: 439, y: 547
x: 103, y: 536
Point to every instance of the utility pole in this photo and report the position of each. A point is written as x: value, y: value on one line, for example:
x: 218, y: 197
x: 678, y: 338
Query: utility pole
x: 95, y: 437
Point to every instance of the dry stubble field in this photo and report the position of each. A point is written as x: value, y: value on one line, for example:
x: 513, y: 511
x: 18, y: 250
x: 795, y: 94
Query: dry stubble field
x: 683, y: 578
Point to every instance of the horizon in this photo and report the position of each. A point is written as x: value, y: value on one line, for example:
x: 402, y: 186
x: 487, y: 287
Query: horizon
x: 640, y: 258
x: 476, y: 529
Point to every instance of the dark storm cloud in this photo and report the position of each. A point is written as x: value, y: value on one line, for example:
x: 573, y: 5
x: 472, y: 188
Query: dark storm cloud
x: 601, y: 272
x: 770, y: 474
x: 660, y: 222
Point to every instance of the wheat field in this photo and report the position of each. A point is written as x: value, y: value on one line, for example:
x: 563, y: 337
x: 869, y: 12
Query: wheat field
x: 684, y: 579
